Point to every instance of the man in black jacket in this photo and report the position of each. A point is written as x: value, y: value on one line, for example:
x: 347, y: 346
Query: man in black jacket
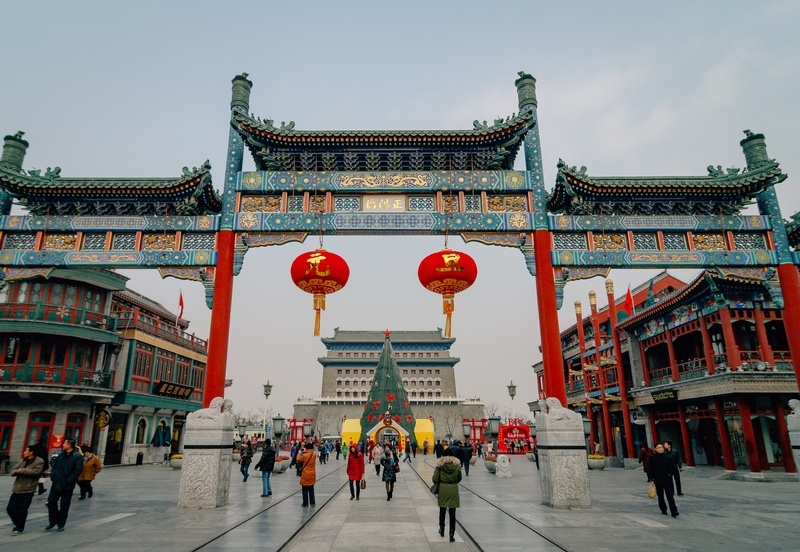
x: 660, y: 469
x: 66, y: 468
x: 438, y: 448
x: 676, y: 457
x: 266, y: 464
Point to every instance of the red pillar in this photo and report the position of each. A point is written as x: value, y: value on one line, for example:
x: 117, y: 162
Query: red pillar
x: 749, y: 435
x: 548, y: 318
x: 645, y: 367
x: 687, y: 445
x: 731, y: 349
x: 220, y: 318
x: 724, y: 436
x: 790, y: 287
x: 608, y: 440
x: 708, y: 347
x: 673, y: 362
x: 763, y: 341
x: 623, y: 386
x: 586, y: 379
x: 653, y: 428
x: 783, y: 435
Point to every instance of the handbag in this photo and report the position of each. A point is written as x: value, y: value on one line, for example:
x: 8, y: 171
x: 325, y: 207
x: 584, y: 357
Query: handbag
x: 363, y: 484
x: 651, y: 490
x: 435, y: 488
x: 396, y: 468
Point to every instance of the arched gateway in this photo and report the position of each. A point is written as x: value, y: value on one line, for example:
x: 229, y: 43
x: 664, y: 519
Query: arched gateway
x: 402, y: 182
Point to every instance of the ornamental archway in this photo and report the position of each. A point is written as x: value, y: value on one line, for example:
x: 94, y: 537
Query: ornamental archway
x: 402, y: 183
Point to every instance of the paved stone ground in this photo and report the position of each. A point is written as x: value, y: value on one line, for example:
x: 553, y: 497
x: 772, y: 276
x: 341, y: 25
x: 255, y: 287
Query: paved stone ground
x: 133, y: 509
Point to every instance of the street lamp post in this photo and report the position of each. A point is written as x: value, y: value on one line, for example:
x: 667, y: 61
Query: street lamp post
x: 277, y: 429
x: 467, y: 427
x: 512, y: 390
x: 307, y: 429
x: 242, y: 430
x: 267, y: 393
x: 493, y: 427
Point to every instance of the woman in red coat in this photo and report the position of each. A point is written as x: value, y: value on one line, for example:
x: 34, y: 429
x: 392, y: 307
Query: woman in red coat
x: 355, y: 471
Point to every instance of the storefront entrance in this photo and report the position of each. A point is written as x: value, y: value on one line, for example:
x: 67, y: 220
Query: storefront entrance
x: 116, y: 438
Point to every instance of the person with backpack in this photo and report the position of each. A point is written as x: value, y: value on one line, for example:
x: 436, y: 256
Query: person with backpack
x: 308, y: 474
x: 266, y: 464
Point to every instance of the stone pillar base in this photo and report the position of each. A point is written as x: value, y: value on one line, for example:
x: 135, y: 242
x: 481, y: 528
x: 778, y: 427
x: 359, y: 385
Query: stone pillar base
x: 794, y: 440
x: 206, y: 471
x: 563, y: 469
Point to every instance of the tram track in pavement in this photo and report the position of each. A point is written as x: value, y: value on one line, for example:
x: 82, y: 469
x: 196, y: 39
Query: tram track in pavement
x: 465, y: 534
x: 283, y: 546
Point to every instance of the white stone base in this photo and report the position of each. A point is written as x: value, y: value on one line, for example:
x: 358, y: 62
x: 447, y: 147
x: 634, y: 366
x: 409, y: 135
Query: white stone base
x: 503, y: 466
x: 794, y: 439
x: 562, y: 462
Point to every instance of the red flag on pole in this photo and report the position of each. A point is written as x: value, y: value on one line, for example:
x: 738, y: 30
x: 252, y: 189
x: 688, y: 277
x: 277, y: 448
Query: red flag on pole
x: 629, y: 302
x: 180, y: 307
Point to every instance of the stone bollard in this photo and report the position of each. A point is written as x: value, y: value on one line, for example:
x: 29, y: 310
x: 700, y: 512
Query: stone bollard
x: 793, y: 425
x: 503, y: 466
x: 562, y: 457
x: 207, y: 444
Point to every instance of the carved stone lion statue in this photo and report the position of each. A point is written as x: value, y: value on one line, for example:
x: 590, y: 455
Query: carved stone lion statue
x: 552, y: 410
x: 215, y: 416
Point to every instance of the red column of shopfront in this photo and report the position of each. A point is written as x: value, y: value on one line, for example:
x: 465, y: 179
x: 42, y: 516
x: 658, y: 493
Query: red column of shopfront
x: 790, y: 288
x: 673, y: 362
x: 761, y: 334
x: 722, y: 427
x: 586, y: 379
x: 623, y: 387
x: 708, y: 347
x: 731, y: 349
x: 687, y: 445
x: 608, y: 440
x: 552, y: 358
x: 749, y: 435
x: 783, y: 435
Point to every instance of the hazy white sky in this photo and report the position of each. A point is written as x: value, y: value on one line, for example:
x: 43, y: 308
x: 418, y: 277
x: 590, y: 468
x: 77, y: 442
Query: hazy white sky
x: 625, y: 88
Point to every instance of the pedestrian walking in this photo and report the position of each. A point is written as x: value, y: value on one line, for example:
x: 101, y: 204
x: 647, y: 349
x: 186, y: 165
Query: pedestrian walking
x: 660, y: 469
x: 645, y: 453
x: 64, y: 473
x: 322, y: 449
x: 447, y: 475
x: 377, y: 454
x: 27, y: 472
x: 266, y: 464
x: 466, y: 457
x: 438, y: 448
x: 407, y: 457
x: 414, y: 449
x: 391, y: 465
x: 246, y: 458
x: 338, y: 447
x: 355, y: 472
x: 308, y: 474
x: 425, y: 447
x: 91, y: 467
x: 676, y: 457
x: 40, y: 450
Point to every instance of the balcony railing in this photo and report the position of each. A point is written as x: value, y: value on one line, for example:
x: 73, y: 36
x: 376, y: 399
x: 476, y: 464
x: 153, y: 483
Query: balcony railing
x: 134, y: 319
x: 58, y: 314
x: 695, y: 368
x: 47, y: 375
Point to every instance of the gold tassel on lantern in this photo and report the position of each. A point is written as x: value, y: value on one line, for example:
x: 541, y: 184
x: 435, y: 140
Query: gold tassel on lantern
x: 448, y: 304
x: 319, y: 305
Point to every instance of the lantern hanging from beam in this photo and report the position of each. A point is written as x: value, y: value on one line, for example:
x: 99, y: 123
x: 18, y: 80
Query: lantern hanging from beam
x: 320, y: 273
x: 447, y: 273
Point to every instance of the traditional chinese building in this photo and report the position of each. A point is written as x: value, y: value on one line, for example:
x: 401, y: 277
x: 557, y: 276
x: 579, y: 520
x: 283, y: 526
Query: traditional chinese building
x: 425, y: 366
x: 78, y: 347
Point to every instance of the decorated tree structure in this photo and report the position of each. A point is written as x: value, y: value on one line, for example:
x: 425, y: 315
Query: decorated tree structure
x: 387, y: 396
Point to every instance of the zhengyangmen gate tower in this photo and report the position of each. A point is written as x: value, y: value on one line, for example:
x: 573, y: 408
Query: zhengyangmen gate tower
x: 403, y: 182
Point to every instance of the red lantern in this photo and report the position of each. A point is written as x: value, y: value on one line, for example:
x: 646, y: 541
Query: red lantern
x: 447, y: 273
x: 320, y: 273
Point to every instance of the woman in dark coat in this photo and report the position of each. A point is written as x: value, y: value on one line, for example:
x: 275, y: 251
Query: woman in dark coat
x: 389, y: 461
x: 246, y: 459
x: 448, y: 474
x: 355, y: 471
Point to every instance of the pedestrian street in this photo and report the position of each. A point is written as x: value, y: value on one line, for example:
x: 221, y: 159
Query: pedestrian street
x: 134, y: 509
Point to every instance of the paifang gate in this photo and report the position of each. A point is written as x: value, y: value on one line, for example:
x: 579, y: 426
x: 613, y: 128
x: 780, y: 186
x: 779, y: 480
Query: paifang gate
x: 402, y: 183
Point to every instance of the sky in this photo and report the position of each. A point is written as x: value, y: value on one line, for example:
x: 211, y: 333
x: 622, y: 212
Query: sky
x: 106, y: 89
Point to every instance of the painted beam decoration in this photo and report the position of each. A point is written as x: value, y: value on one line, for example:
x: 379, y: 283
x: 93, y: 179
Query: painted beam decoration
x: 394, y: 183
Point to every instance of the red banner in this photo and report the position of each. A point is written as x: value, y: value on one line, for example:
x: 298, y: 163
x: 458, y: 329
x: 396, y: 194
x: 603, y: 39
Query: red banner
x: 511, y: 433
x: 56, y: 440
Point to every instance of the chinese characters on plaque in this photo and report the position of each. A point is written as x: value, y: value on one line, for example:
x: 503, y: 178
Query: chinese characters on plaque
x: 384, y: 203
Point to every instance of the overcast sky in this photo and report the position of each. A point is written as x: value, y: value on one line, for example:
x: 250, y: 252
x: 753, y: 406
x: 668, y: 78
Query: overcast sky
x: 106, y: 89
